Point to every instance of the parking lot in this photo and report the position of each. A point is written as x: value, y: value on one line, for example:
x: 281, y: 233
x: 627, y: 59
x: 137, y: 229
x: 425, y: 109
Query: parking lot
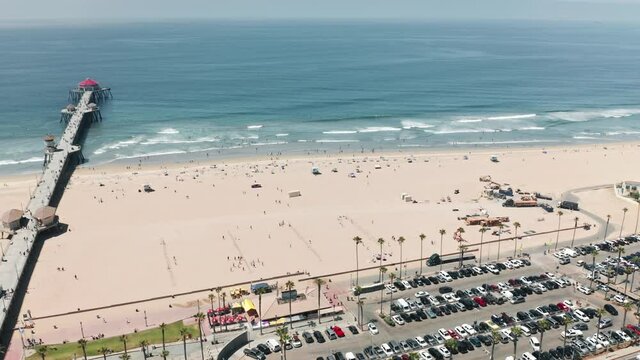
x: 540, y: 264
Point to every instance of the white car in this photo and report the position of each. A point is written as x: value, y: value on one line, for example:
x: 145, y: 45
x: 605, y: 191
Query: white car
x: 571, y: 333
x: 602, y: 340
x: 535, y: 343
x: 550, y: 275
x: 525, y: 330
x: 508, y: 264
x: 433, y: 301
x: 580, y: 315
x: 373, y: 329
x: 541, y: 287
x: 451, y: 298
x: 507, y: 333
x: 420, y: 294
x: 461, y: 331
x: 493, y: 269
x: 585, y: 290
x: 569, y: 304
x: 350, y: 356
x: 623, y: 336
x: 469, y: 329
x: 421, y: 341
x: 541, y: 311
x: 507, y: 294
x: 397, y: 319
x: 593, y: 343
x: 424, y: 355
x: 481, y: 290
x: 444, y: 351
x: 502, y: 286
x: 445, y: 275
x: 620, y: 299
x: 593, y: 275
x: 444, y: 333
x: 386, y: 349
x: 525, y: 281
x: 406, y: 284
x: 517, y: 263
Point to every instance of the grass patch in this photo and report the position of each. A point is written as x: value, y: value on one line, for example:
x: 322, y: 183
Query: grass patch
x: 153, y: 336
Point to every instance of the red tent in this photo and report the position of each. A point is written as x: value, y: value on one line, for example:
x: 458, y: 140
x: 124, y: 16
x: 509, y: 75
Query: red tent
x: 88, y: 82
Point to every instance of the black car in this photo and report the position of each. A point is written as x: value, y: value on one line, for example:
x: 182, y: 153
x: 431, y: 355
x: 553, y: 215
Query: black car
x: 426, y: 281
x: 423, y: 315
x: 254, y: 354
x: 590, y: 312
x: 308, y: 338
x: 436, y: 310
x: 445, y: 310
x: 354, y: 330
x: 265, y: 349
x: 415, y: 317
x: 318, y: 335
x: 454, y: 275
x: 399, y: 285
x: 522, y: 316
x: 486, y: 340
x: 580, y: 326
x: 500, y: 266
x: 434, y: 280
x: 452, y: 308
x: 475, y: 341
x: 611, y: 309
x: 445, y: 289
x: 406, y: 317
x: 436, y: 354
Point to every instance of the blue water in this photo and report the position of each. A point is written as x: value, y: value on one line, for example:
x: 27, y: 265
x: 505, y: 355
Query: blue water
x: 234, y: 88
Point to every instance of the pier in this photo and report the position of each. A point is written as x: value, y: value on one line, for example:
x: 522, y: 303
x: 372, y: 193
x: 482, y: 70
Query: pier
x: 39, y: 214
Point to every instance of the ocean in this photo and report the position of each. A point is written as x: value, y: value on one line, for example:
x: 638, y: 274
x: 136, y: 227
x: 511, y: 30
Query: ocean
x: 225, y: 88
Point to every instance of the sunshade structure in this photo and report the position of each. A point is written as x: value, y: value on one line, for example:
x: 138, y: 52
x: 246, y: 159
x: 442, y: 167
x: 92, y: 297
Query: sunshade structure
x: 249, y: 307
x: 11, y: 219
x: 89, y: 84
x: 45, y: 215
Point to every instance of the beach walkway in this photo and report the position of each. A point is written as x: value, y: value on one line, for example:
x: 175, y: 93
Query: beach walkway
x: 17, y: 253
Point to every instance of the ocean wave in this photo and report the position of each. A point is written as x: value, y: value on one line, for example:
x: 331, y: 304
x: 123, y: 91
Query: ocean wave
x: 282, y: 135
x: 336, y: 141
x: 168, y: 131
x: 254, y: 127
x: 339, y: 132
x: 616, y: 133
x: 163, y: 140
x: 151, y: 154
x: 118, y: 145
x: 461, y: 131
x: 497, y: 118
x: 25, y: 161
x: 468, y: 120
x: 579, y: 116
x: 531, y: 128
x: 498, y: 142
x: 589, y: 133
x: 412, y: 124
x: 269, y: 143
x: 373, y: 129
x: 582, y: 137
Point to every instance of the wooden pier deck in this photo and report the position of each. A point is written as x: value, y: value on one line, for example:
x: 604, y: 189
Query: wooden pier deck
x: 17, y: 253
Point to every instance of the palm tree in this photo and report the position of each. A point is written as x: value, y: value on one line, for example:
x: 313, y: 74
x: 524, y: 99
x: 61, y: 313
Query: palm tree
x: 104, y: 351
x: 184, y: 333
x: 357, y: 240
x: 500, y: 227
x: 495, y: 338
x: 482, y: 230
x: 620, y: 252
x: 637, y: 217
x: 517, y: 332
x: 123, y: 339
x: 125, y: 357
x: 358, y: 290
x: 599, y: 312
x: 382, y: 271
x: 624, y: 214
x: 199, y: 317
x: 360, y: 304
x: 606, y: 228
x: 392, y: 276
x: 414, y: 356
x: 42, y: 350
x: 380, y: 242
x: 635, y: 260
x: 544, y: 326
x: 442, y: 232
x: 283, y: 336
x: 628, y: 271
x: 163, y: 328
x: 626, y: 306
x: 575, y: 227
x: 593, y: 264
x: 83, y: 345
x: 462, y: 248
x: 560, y: 213
x: 211, y: 297
x: 261, y: 291
x: 290, y: 285
x: 565, y: 321
x: 401, y: 241
x: 224, y: 297
x: 143, y: 346
x: 451, y: 344
x: 422, y: 237
x: 319, y: 282
x: 460, y: 240
x: 516, y: 225
x: 164, y: 354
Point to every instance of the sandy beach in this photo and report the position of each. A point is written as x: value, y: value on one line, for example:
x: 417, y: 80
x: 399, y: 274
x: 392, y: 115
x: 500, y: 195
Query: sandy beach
x: 206, y: 226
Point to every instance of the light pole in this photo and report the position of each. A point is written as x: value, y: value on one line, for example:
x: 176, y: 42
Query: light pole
x: 81, y: 330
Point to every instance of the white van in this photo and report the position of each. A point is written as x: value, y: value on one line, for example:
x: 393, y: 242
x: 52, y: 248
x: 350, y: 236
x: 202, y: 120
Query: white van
x: 527, y: 356
x: 445, y: 275
x: 403, y: 304
x: 273, y: 345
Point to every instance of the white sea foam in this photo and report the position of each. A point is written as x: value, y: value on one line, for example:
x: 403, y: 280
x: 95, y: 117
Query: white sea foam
x: 135, y: 156
x: 281, y: 135
x: 254, y: 127
x: 460, y: 131
x: 336, y: 141
x: 269, y: 143
x: 468, y: 120
x: 511, y: 117
x: 578, y: 116
x: 616, y: 133
x: 25, y: 161
x: 498, y: 142
x: 165, y: 140
x: 373, y: 129
x: 168, y: 131
x: 531, y: 128
x: 118, y: 145
x: 413, y: 124
x: 578, y: 137
x: 339, y: 132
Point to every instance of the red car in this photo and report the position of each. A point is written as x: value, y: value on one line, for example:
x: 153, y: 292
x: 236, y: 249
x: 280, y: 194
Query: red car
x: 454, y: 334
x: 633, y: 328
x: 562, y: 306
x: 480, y: 301
x: 338, y: 331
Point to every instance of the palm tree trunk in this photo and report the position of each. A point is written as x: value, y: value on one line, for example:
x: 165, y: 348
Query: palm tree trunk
x: 573, y: 238
x: 381, y: 291
x: 84, y: 350
x: 201, y: 345
x: 633, y: 276
x: 390, y: 301
x: 593, y: 272
x: 381, y: 259
x: 624, y: 319
x: 499, y: 242
x: 493, y: 347
x: 626, y: 284
x: 421, y: 257
x: 598, y: 327
x: 319, y: 289
x: 260, y: 309
x: 564, y: 340
x: 290, y: 317
x: 184, y: 346
x: 441, y: 236
x: 481, y: 241
x: 515, y: 346
x: 541, y: 337
x: 400, y: 261
x: 515, y: 244
x: 357, y: 267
